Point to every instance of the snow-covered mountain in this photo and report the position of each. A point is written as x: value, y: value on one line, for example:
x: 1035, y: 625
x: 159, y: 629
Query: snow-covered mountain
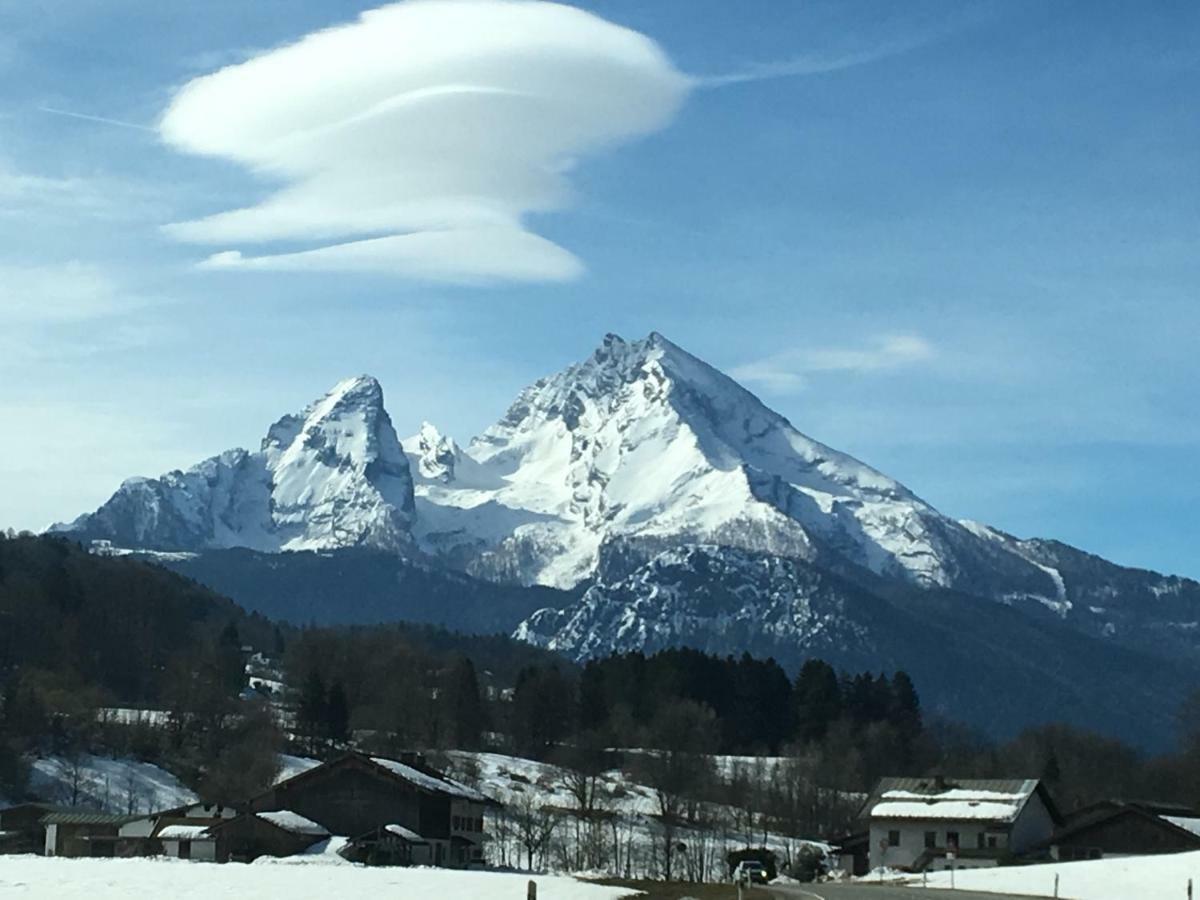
x: 644, y: 440
x: 333, y: 475
x: 678, y: 510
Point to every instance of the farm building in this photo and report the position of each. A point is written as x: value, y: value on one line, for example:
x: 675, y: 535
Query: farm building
x: 1115, y: 828
x: 932, y: 823
x: 77, y: 833
x: 251, y: 835
x: 395, y: 809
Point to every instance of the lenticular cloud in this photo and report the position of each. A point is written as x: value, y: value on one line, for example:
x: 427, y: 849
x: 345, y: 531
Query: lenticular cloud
x: 417, y: 139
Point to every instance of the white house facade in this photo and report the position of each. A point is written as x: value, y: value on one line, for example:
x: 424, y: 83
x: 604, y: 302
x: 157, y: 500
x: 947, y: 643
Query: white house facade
x: 924, y: 824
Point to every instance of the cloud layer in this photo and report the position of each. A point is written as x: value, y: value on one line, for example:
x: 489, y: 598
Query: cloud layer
x: 418, y: 139
x: 789, y: 372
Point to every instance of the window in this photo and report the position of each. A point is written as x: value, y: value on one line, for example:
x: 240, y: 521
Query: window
x: 930, y: 840
x: 893, y: 838
x: 982, y: 838
x: 993, y: 842
x: 951, y: 840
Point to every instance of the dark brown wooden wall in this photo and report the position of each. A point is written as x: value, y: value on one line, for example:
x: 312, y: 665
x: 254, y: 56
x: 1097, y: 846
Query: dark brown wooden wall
x: 350, y: 800
x: 1131, y: 834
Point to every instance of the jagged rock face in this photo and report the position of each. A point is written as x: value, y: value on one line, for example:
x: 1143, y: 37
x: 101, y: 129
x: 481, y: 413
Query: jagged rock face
x: 332, y: 476
x: 712, y: 598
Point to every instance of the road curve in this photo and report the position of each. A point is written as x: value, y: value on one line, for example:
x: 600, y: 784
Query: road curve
x: 867, y: 892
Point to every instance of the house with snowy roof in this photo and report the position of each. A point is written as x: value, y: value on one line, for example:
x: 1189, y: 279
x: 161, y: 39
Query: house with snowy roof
x: 404, y: 810
x: 924, y: 824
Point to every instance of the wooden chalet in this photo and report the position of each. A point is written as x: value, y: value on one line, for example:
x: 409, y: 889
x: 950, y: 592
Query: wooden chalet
x: 437, y: 820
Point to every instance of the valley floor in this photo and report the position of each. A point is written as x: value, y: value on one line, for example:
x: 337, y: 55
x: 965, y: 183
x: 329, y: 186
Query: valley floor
x: 39, y: 878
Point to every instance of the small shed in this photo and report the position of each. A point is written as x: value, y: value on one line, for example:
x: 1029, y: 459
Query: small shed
x: 851, y: 852
x: 272, y: 833
x: 390, y: 845
x: 81, y: 833
x: 189, y: 842
x: 21, y: 828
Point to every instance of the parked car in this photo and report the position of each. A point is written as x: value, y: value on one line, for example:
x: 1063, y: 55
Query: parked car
x: 750, y: 871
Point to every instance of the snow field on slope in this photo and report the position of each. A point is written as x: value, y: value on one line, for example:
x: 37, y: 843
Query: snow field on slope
x: 1161, y: 877
x: 112, y: 785
x: 40, y: 878
x: 511, y: 780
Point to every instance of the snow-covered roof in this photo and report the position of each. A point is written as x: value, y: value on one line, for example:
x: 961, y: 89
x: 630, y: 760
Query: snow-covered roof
x: 183, y: 832
x: 947, y: 810
x: 441, y: 785
x: 406, y: 833
x: 293, y: 822
x: 979, y: 801
x: 1186, y: 823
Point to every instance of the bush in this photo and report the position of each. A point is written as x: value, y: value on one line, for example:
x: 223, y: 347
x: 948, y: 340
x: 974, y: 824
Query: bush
x: 808, y: 865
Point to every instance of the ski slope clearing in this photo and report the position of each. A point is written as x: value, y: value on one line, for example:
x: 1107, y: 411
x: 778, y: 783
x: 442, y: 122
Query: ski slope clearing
x: 38, y: 878
x: 111, y: 785
x: 1163, y: 876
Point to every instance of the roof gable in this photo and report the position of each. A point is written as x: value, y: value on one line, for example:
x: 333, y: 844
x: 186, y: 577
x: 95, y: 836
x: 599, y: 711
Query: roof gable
x: 414, y: 776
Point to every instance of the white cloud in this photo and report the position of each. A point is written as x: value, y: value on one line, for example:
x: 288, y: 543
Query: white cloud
x: 790, y: 371
x: 418, y: 139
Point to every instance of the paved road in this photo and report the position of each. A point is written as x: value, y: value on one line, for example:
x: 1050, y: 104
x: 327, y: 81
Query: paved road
x: 867, y: 892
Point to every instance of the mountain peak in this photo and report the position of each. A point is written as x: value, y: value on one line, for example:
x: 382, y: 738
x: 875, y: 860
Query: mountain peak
x: 359, y: 391
x: 434, y: 454
x: 332, y: 475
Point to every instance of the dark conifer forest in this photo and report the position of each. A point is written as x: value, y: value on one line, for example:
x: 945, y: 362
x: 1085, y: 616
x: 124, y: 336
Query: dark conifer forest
x: 83, y: 635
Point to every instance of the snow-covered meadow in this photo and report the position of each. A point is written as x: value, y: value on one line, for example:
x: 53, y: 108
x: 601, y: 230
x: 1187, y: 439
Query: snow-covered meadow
x: 40, y: 878
x: 1161, y: 877
x: 112, y: 785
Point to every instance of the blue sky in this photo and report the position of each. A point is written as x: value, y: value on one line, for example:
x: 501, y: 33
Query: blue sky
x: 959, y: 241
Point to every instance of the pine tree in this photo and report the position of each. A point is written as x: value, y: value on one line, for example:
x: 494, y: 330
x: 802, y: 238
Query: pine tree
x: 337, y: 715
x: 310, y: 711
x: 818, y: 700
x: 464, y: 707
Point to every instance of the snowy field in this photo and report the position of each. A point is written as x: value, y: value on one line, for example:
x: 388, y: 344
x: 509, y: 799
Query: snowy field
x: 38, y: 878
x: 113, y: 785
x: 1144, y: 878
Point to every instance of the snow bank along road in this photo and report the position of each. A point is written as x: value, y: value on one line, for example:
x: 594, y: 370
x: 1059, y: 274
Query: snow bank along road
x: 39, y: 878
x: 869, y: 892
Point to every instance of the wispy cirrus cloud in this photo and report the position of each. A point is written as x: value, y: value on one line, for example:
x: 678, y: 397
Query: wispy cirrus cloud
x: 418, y: 139
x: 792, y: 371
x: 811, y: 64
